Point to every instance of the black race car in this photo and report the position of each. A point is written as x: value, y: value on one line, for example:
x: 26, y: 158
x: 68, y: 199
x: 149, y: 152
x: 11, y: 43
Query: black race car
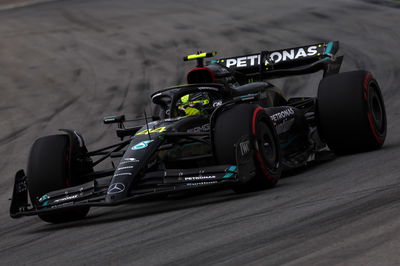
x: 228, y: 127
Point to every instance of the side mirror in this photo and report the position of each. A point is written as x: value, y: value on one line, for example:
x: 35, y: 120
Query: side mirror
x: 114, y: 119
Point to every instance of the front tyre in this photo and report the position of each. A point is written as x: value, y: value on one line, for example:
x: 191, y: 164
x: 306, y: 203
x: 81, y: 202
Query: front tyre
x: 249, y: 120
x: 49, y: 169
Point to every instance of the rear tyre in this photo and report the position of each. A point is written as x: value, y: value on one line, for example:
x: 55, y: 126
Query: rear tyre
x: 351, y: 112
x: 49, y: 168
x: 249, y: 120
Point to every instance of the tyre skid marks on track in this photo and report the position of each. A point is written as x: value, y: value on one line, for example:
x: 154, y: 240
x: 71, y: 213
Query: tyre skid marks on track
x: 363, y: 201
x: 319, y: 224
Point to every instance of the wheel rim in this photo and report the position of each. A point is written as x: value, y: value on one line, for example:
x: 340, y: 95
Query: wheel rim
x: 266, y: 145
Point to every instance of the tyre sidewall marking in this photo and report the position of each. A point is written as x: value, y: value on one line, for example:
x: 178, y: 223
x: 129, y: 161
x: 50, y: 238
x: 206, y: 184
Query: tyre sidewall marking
x: 367, y: 80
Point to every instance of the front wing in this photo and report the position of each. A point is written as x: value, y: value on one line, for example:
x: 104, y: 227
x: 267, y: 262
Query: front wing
x: 99, y: 191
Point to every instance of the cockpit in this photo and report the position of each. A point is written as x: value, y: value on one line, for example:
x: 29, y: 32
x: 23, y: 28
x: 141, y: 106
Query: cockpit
x: 188, y: 100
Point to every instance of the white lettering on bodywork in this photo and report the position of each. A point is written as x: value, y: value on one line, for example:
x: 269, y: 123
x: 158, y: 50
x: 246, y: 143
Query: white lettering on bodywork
x: 276, y: 57
x: 282, y: 114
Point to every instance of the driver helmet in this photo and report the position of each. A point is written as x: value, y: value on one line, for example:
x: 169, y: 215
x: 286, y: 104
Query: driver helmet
x: 194, y: 103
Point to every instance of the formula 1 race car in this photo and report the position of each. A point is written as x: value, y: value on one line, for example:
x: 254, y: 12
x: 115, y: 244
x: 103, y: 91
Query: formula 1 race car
x: 228, y: 127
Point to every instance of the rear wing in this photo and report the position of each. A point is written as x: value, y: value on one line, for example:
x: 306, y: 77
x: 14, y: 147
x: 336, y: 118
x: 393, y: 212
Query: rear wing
x: 285, y: 62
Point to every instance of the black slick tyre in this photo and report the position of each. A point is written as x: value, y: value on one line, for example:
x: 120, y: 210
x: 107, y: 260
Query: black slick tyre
x: 351, y: 112
x: 48, y: 170
x: 249, y: 120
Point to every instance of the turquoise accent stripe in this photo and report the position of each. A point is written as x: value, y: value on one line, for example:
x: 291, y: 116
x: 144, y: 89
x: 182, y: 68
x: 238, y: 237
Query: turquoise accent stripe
x: 329, y: 48
x: 230, y: 170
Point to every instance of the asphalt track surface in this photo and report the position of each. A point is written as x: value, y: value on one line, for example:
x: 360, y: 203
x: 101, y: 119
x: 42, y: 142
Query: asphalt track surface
x: 67, y: 64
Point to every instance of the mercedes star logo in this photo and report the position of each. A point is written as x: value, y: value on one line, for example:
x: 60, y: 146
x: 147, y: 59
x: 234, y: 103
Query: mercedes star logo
x: 116, y: 188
